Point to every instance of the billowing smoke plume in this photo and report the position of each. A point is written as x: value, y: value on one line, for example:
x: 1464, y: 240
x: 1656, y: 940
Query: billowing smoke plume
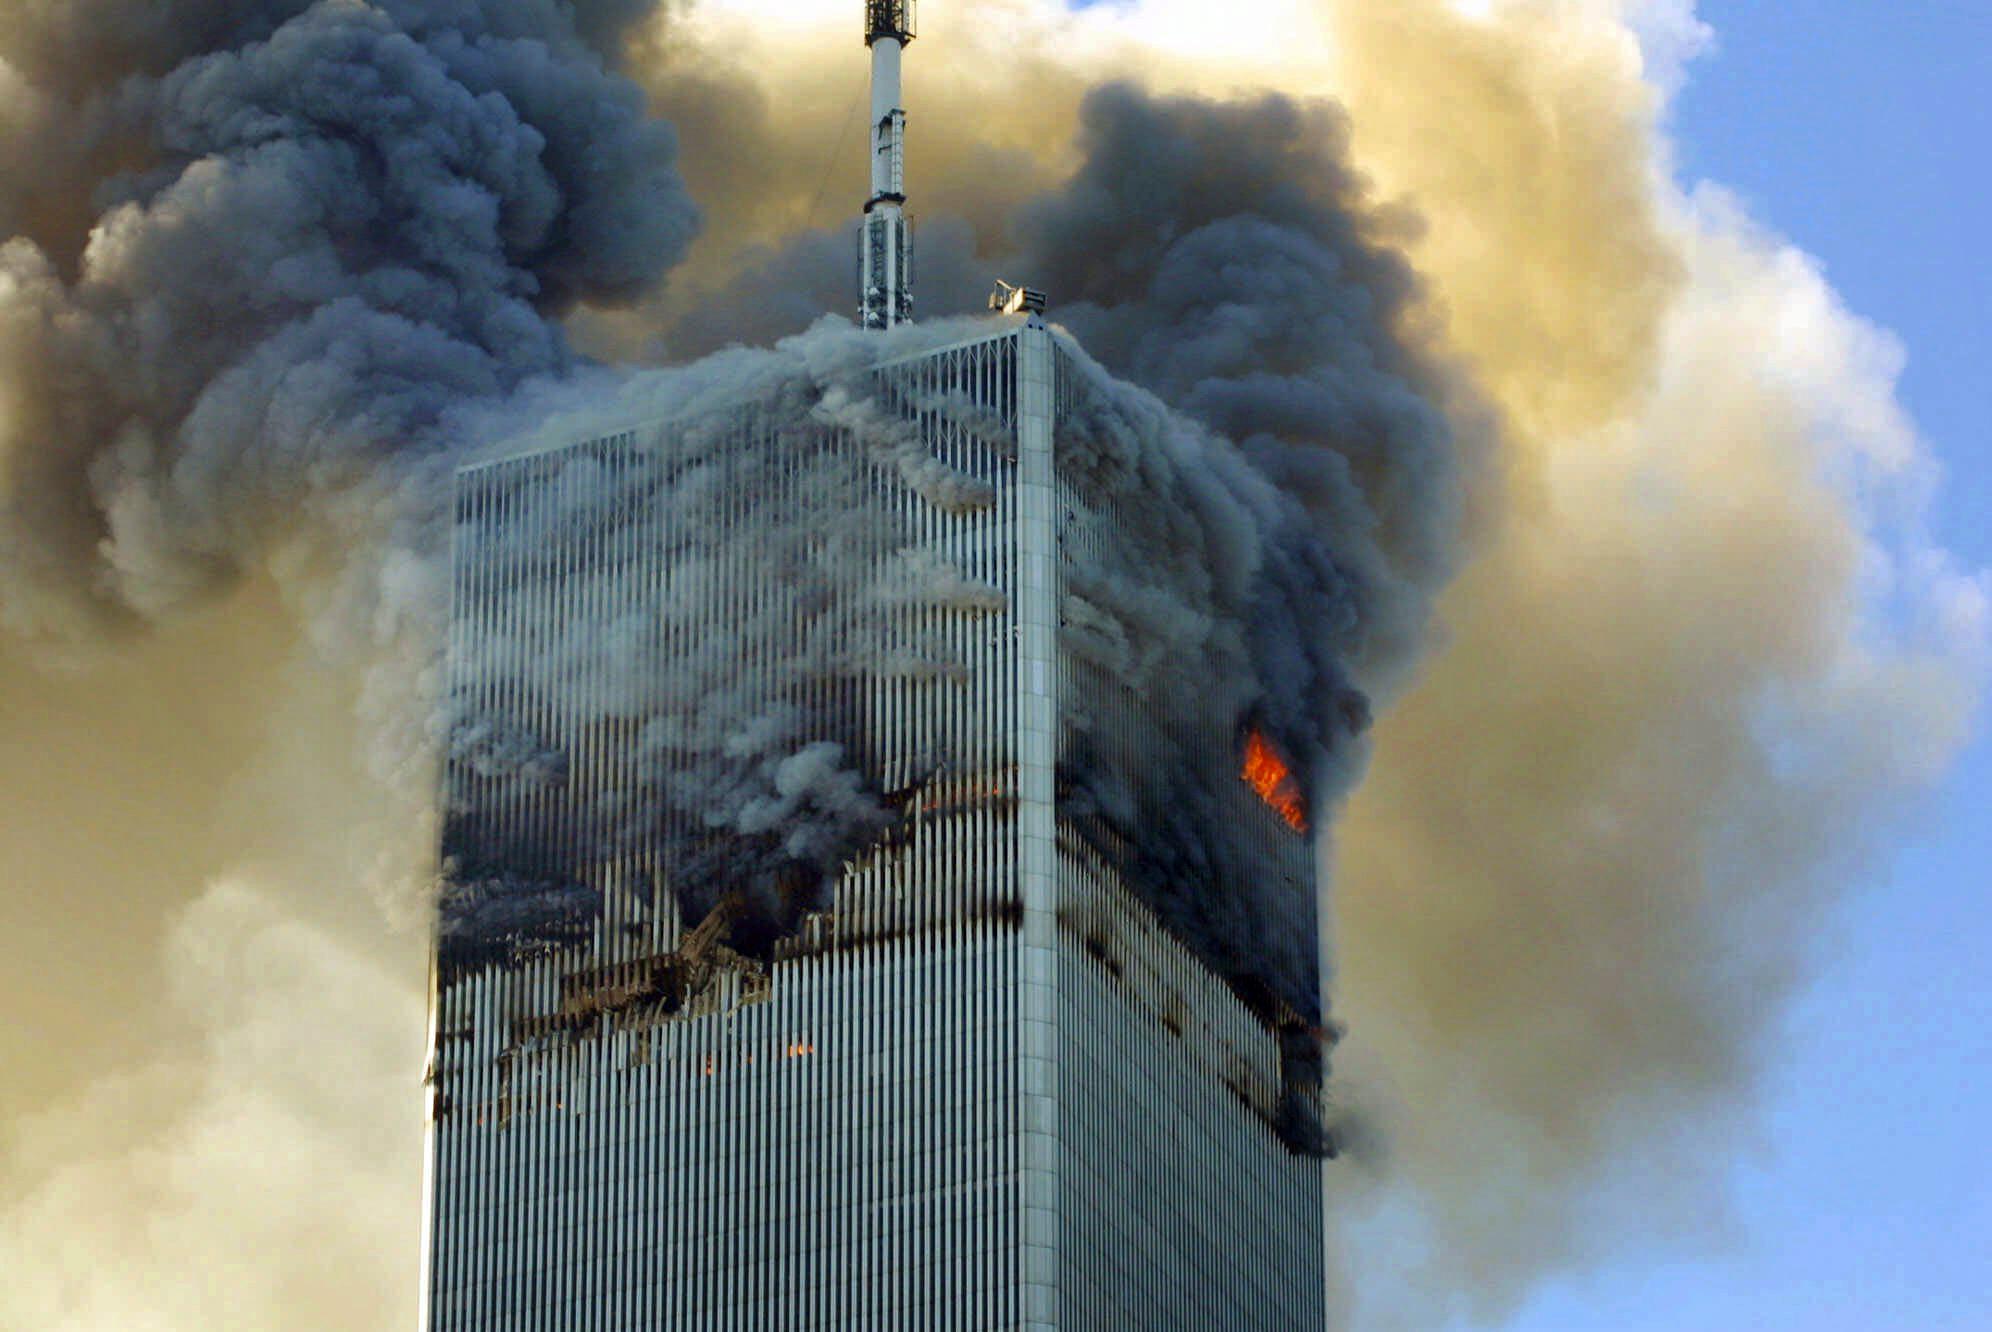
x: 334, y: 242
x: 276, y: 266
x: 274, y: 246
x: 1674, y: 713
x: 1227, y: 256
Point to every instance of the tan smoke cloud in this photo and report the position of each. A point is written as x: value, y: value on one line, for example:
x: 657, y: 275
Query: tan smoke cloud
x: 1526, y: 145
x: 1697, y: 656
x: 211, y: 1114
x: 1671, y: 710
x: 257, y: 1177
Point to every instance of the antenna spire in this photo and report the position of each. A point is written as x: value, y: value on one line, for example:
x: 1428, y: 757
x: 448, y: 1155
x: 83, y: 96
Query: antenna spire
x: 885, y: 247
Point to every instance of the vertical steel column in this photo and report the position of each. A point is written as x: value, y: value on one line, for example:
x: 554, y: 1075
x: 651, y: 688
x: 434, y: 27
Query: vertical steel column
x: 1037, y: 757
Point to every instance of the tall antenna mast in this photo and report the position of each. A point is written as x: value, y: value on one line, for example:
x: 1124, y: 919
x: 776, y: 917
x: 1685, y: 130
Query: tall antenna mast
x: 885, y: 248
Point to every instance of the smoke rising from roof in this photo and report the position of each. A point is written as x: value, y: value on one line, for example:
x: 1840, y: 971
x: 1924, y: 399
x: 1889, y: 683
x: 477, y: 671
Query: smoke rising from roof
x: 1225, y: 255
x: 754, y: 765
x: 1663, y: 714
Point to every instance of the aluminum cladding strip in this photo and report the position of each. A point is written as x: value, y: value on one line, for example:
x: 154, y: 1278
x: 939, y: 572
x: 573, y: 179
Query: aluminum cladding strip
x: 1037, y: 756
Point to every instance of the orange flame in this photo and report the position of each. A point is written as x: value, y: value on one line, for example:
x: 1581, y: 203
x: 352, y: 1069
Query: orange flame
x: 1268, y: 774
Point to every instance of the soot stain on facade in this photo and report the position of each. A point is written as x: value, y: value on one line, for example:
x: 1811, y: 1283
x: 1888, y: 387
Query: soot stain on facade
x: 868, y: 756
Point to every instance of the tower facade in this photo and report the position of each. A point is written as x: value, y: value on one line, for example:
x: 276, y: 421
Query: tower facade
x: 982, y: 1075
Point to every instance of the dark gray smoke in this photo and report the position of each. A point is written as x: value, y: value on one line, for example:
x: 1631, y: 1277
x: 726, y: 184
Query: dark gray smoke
x: 288, y: 265
x: 265, y: 249
x: 1225, y: 255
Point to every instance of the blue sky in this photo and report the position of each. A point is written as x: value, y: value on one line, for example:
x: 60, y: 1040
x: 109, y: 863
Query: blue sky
x: 1862, y: 130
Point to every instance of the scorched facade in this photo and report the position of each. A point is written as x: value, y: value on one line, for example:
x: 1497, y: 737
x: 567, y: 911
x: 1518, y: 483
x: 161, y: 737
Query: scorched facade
x: 981, y: 1082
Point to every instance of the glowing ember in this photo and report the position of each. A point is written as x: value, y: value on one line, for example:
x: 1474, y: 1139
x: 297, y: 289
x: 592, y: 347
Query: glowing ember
x: 1268, y: 774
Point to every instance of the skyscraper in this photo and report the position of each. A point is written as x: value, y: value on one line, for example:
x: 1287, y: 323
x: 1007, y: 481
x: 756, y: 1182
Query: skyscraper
x: 827, y: 931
